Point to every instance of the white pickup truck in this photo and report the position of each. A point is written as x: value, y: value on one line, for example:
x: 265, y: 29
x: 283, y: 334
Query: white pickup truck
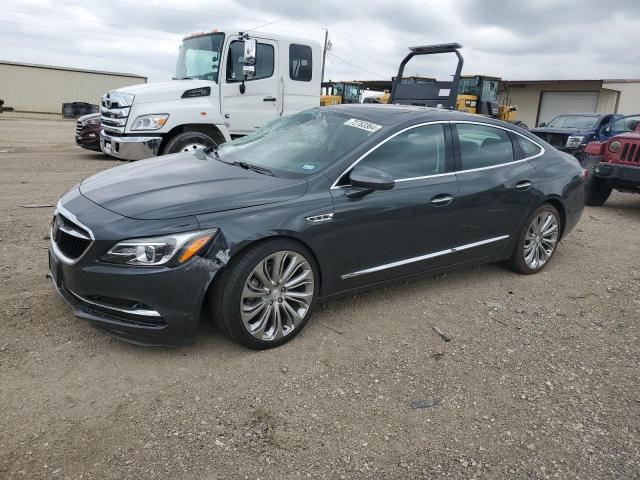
x: 227, y: 84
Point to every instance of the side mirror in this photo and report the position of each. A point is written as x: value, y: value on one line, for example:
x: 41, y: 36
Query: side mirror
x: 543, y: 124
x: 249, y: 62
x: 369, y: 178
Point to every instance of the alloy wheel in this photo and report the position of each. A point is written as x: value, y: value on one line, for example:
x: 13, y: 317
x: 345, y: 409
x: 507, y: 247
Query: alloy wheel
x: 540, y: 240
x: 277, y: 295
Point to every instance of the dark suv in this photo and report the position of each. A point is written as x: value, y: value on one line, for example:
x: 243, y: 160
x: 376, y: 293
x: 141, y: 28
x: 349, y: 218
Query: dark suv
x: 88, y: 132
x: 572, y: 131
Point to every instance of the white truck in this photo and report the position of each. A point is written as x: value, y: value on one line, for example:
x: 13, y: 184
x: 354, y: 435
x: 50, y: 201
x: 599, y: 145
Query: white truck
x: 226, y: 84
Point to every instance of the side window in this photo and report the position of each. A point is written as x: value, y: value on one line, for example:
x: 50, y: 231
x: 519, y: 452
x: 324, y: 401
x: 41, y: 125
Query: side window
x: 235, y: 60
x: 529, y: 148
x: 415, y: 153
x: 482, y: 146
x: 300, y: 64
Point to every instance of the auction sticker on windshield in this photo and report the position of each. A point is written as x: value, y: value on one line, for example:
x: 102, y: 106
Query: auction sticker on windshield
x: 368, y: 126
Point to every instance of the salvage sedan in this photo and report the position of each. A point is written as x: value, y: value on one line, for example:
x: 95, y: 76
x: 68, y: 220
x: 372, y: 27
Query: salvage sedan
x: 323, y: 202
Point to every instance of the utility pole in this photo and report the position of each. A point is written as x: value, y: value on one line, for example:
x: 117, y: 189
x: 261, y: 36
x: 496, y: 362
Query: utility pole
x: 324, y: 55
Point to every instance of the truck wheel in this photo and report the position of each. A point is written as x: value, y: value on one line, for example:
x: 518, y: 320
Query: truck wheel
x: 188, y: 141
x: 596, y: 193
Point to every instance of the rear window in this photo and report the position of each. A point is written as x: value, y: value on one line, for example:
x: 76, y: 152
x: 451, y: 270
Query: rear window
x: 529, y: 148
x: 300, y: 63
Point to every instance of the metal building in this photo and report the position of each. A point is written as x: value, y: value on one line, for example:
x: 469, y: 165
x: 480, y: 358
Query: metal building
x: 541, y: 100
x: 43, y: 89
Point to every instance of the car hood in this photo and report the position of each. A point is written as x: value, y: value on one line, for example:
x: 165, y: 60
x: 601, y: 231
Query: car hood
x: 184, y: 184
x: 564, y: 131
x: 164, y: 91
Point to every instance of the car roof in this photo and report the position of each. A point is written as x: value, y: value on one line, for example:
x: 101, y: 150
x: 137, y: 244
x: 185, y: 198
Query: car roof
x: 588, y: 114
x: 392, y: 114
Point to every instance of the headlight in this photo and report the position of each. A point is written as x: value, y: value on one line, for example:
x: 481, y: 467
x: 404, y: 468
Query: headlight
x: 150, y: 122
x: 574, y: 141
x: 160, y: 250
x: 615, y: 146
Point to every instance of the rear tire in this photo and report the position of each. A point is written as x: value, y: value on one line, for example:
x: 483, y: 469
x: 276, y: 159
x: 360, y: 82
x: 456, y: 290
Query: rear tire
x: 596, y: 193
x: 188, y: 141
x: 538, y: 241
x: 266, y: 295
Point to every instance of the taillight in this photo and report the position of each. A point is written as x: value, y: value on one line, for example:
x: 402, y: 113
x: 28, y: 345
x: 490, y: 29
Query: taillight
x: 585, y: 173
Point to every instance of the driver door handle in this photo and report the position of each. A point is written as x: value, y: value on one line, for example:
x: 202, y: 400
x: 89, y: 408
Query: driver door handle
x: 269, y: 99
x: 523, y: 185
x: 441, y: 200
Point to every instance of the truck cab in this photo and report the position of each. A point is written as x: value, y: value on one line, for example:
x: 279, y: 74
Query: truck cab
x: 226, y: 84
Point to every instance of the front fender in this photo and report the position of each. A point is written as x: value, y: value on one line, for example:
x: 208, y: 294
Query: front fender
x: 199, y: 110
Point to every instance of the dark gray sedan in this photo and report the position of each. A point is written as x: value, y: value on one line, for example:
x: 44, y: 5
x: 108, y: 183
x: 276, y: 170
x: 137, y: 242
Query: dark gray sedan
x: 319, y: 203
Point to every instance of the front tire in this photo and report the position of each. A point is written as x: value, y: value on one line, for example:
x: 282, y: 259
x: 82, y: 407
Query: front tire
x: 596, y: 193
x: 266, y: 296
x: 537, y: 241
x: 187, y: 142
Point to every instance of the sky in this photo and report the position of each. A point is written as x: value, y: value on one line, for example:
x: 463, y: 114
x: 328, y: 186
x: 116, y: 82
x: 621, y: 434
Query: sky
x: 513, y: 39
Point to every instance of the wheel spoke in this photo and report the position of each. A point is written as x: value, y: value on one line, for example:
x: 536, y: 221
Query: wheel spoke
x: 299, y: 280
x: 257, y: 329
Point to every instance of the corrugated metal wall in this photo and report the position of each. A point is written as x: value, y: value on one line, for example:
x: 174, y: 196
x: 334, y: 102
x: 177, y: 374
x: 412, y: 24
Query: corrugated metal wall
x: 42, y: 89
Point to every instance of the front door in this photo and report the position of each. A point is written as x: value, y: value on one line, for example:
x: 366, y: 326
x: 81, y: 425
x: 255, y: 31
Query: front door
x: 259, y: 103
x: 496, y: 191
x: 407, y: 229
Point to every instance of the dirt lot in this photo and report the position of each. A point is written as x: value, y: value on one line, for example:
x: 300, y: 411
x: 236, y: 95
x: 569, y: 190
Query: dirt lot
x: 540, y: 378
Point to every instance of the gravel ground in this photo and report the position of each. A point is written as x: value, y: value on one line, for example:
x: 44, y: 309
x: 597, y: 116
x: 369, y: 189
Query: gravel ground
x: 539, y: 380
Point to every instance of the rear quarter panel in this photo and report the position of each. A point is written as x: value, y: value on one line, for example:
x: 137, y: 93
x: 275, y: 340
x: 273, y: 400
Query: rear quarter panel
x: 559, y: 178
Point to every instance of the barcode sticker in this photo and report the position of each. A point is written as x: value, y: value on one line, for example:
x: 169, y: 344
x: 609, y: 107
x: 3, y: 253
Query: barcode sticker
x: 368, y: 126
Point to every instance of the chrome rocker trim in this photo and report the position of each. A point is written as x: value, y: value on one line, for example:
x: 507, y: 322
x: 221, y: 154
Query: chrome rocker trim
x: 422, y: 257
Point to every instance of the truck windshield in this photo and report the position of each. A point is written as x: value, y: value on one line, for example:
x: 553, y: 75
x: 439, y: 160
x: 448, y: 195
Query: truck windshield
x: 199, y: 58
x: 574, y: 121
x: 301, y: 144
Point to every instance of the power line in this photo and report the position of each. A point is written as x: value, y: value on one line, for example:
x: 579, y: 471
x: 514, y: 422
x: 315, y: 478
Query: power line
x: 97, y: 22
x: 355, y: 66
x: 93, y: 32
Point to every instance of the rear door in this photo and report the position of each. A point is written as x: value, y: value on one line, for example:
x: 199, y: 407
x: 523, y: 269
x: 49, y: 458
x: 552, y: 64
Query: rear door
x: 495, y: 188
x: 248, y: 111
x: 407, y: 229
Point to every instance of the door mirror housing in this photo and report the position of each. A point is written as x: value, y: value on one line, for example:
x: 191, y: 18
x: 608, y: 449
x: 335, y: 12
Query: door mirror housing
x: 249, y: 61
x: 370, y: 178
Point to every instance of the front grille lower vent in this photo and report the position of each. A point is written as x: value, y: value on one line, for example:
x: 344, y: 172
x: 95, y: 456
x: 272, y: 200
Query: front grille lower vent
x: 71, y: 239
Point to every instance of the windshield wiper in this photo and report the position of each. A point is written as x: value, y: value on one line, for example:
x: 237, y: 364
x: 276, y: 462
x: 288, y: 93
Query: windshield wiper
x: 213, y: 151
x: 255, y: 168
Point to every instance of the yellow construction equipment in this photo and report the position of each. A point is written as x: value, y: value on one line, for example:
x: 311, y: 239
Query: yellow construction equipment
x: 478, y: 94
x: 335, y: 93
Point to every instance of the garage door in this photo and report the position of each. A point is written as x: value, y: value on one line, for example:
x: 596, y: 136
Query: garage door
x: 557, y: 103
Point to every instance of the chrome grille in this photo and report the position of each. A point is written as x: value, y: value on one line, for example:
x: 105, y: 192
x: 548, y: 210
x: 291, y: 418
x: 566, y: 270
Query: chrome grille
x: 557, y: 140
x: 114, y: 111
x: 78, y: 128
x: 70, y: 239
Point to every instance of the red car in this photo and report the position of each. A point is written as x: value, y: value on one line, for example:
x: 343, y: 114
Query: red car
x: 88, y: 132
x: 615, y: 163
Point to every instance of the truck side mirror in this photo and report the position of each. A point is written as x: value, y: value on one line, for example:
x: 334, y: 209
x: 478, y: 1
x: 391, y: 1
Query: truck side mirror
x: 249, y: 62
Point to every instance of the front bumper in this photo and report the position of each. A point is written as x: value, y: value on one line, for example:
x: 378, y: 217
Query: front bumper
x: 129, y: 148
x: 162, y: 306
x: 89, y: 140
x: 617, y: 175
